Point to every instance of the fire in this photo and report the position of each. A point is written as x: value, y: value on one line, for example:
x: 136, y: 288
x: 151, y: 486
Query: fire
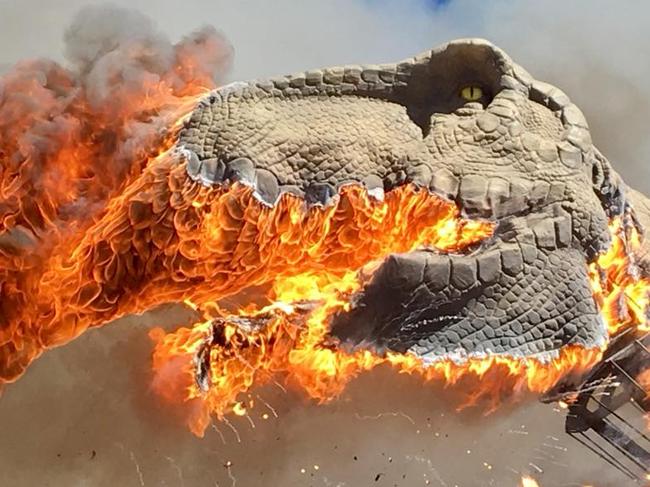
x: 165, y: 238
x: 149, y: 235
x: 315, y: 260
x: 99, y: 219
x: 289, y: 338
x: 623, y: 296
x: 527, y: 481
x: 72, y: 140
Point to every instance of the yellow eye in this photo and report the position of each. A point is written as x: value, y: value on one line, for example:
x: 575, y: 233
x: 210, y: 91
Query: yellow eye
x: 471, y: 93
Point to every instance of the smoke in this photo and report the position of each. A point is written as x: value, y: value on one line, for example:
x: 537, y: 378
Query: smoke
x: 72, y: 135
x: 115, y: 50
x: 100, y: 114
x: 594, y: 50
x: 83, y: 414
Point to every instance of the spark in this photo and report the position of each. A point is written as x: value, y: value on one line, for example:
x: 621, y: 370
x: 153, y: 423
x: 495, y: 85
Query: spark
x: 269, y: 407
x: 134, y: 460
x: 383, y: 415
x: 430, y: 466
x: 545, y: 454
x: 527, y: 481
x: 214, y: 427
x: 232, y: 478
x: 330, y: 483
x: 517, y: 432
x: 234, y: 430
x: 239, y: 409
x: 557, y: 447
x: 178, y: 469
x: 250, y: 420
x: 137, y: 468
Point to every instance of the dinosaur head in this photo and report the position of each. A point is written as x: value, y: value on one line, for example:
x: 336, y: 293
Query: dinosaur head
x: 466, y: 123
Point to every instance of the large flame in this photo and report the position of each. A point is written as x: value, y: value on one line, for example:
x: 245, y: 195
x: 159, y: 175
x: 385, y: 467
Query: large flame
x: 290, y: 336
x: 72, y: 140
x: 147, y: 234
x: 622, y: 295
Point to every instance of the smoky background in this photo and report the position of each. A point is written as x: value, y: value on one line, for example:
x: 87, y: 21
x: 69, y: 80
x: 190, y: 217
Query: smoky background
x: 83, y: 415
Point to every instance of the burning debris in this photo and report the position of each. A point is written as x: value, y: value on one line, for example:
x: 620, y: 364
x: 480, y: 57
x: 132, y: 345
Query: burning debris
x: 527, y: 481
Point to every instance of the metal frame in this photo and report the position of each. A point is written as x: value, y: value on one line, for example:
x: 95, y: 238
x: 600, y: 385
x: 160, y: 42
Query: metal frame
x: 607, y: 410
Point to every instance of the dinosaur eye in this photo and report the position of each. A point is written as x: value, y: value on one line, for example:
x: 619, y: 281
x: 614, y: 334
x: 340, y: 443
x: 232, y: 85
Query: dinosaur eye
x: 471, y: 93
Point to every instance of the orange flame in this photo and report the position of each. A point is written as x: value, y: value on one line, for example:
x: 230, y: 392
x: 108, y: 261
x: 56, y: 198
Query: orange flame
x: 70, y: 143
x: 292, y: 341
x: 622, y: 295
x: 96, y: 222
x: 527, y: 481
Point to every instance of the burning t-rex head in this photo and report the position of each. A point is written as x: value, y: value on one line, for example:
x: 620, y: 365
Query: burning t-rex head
x: 467, y: 124
x: 444, y: 214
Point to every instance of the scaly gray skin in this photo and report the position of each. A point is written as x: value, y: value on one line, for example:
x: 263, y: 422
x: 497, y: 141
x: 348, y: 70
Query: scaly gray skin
x: 522, y: 156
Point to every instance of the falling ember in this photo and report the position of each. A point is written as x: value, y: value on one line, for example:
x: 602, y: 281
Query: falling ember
x: 643, y: 379
x: 527, y: 481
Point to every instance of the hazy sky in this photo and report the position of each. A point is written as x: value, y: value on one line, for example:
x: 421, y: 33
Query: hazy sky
x: 596, y: 50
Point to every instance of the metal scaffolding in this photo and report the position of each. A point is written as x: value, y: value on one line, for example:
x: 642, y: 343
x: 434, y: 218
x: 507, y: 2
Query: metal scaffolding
x: 608, y: 410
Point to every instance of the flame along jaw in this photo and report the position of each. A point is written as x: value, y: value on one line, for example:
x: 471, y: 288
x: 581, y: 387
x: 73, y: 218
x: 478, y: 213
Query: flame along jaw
x: 522, y: 294
x: 240, y: 351
x: 521, y: 297
x: 266, y: 187
x: 516, y: 296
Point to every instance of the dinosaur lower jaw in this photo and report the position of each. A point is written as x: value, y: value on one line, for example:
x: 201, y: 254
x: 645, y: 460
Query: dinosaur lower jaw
x: 317, y: 332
